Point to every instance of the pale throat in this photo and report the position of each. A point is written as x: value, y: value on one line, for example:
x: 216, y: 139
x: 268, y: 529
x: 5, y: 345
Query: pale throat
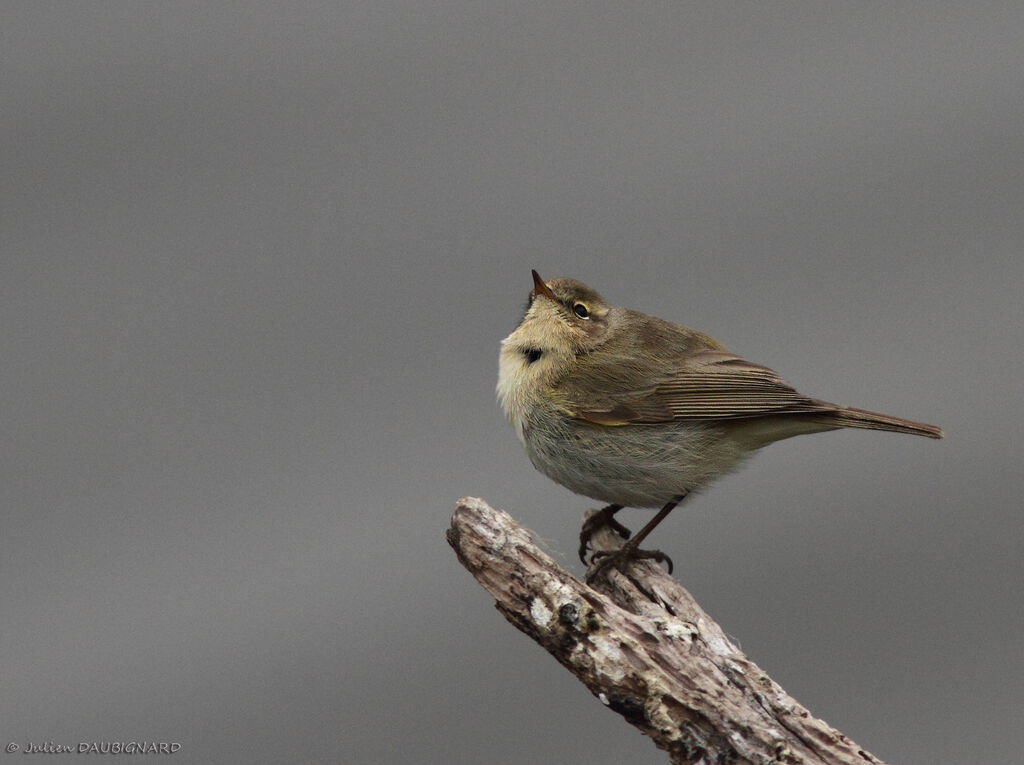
x: 522, y: 381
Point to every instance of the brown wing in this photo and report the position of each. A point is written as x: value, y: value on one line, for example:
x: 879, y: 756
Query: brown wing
x: 634, y: 380
x: 709, y: 384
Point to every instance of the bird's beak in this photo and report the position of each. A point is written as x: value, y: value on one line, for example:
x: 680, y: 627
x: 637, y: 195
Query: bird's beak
x: 540, y: 288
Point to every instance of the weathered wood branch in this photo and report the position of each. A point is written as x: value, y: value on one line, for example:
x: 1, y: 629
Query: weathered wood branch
x: 643, y: 646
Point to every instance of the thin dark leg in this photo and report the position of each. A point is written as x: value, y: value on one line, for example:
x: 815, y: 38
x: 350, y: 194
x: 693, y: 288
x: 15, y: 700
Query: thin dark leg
x: 603, y: 517
x: 651, y: 524
x: 630, y: 549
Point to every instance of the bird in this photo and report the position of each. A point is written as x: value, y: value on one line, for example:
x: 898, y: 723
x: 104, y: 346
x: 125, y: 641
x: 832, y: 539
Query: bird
x: 637, y: 411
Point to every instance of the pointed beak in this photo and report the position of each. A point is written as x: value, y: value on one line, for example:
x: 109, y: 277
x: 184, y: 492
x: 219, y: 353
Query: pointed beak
x: 540, y: 288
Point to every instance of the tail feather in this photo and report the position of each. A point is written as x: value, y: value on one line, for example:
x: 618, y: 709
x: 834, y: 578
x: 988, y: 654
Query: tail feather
x: 848, y: 417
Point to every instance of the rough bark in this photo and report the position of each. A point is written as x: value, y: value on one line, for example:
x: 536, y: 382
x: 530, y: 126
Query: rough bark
x: 643, y: 646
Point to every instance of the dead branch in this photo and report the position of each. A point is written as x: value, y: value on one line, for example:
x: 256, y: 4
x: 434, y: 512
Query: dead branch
x: 643, y: 646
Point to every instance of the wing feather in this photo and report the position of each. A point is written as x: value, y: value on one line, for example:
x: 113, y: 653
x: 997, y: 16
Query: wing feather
x: 708, y: 384
x: 663, y: 372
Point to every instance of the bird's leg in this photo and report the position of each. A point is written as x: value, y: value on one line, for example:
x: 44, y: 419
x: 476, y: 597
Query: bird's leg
x: 630, y: 551
x: 603, y: 517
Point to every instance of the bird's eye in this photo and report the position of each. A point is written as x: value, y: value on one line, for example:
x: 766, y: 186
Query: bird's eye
x: 581, y: 310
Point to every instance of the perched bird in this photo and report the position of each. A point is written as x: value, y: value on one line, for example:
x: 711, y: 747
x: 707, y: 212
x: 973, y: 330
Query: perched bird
x: 636, y: 411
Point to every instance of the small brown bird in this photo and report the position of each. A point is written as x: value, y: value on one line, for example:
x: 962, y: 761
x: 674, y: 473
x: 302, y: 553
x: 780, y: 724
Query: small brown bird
x: 636, y: 411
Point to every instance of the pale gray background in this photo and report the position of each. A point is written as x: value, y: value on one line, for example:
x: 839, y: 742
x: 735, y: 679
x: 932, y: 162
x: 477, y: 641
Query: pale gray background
x: 256, y: 262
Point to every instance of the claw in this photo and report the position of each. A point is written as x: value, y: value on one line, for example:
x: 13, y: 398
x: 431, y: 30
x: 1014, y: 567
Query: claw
x: 602, y: 518
x: 620, y: 558
x: 629, y: 551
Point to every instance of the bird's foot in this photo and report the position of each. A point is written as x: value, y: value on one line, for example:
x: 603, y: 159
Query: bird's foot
x: 603, y: 559
x: 602, y: 518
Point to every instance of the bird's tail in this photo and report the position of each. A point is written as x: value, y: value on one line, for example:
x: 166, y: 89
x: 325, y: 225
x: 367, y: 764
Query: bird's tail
x: 848, y: 417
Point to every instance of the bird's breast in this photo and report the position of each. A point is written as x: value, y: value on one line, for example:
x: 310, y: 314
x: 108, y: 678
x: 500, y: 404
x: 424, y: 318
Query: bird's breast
x: 515, y: 383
